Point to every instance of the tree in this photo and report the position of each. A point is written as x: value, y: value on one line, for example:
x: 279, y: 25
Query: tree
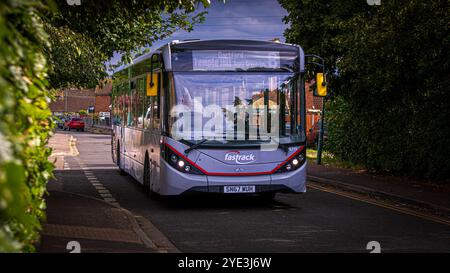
x: 390, y: 64
x: 84, y: 37
x: 48, y: 45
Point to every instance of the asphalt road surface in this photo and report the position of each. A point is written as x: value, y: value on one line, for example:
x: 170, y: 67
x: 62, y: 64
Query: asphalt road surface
x: 313, y: 222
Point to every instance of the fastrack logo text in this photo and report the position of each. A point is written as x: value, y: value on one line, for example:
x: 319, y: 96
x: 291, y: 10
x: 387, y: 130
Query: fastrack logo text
x: 239, y: 158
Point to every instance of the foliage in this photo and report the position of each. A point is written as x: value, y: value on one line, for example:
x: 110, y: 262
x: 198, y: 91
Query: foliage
x: 390, y: 64
x: 85, y: 37
x: 70, y: 43
x: 24, y: 125
x: 73, y: 59
x: 82, y: 112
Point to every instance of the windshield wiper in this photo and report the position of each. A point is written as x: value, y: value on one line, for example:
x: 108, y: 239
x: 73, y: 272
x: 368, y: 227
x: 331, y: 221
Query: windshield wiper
x: 196, y: 145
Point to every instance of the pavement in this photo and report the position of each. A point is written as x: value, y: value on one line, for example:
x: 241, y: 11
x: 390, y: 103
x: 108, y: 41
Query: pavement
x: 95, y: 225
x: 424, y: 195
x: 83, y: 223
x: 343, y: 210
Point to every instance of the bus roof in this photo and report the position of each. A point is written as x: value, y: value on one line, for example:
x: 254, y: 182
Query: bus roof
x: 197, y: 41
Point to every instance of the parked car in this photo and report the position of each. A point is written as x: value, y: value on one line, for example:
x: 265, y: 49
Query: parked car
x: 313, y: 134
x: 74, y: 123
x: 59, y: 121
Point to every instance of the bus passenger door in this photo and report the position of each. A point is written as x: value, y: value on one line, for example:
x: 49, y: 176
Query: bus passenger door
x: 156, y: 135
x: 152, y: 130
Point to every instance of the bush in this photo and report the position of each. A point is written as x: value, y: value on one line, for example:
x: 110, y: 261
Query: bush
x: 24, y: 126
x: 390, y: 109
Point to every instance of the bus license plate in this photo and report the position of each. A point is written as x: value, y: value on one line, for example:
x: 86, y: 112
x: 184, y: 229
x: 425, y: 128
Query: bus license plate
x: 239, y: 189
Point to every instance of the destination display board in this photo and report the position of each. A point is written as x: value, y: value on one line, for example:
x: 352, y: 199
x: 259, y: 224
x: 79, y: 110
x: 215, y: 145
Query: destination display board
x: 234, y: 55
x: 232, y: 60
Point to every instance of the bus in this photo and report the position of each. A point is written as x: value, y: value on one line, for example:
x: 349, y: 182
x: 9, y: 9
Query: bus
x: 213, y: 116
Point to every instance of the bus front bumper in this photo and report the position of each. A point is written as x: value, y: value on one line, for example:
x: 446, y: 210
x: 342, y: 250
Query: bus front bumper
x: 177, y: 183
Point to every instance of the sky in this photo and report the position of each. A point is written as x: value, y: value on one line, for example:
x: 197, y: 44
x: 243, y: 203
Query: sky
x: 240, y: 19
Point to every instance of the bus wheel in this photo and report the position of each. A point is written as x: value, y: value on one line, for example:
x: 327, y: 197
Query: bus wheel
x: 121, y: 171
x: 147, y: 180
x: 146, y: 175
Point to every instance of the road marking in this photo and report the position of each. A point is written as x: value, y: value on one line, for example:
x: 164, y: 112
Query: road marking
x: 73, y: 146
x: 104, y: 193
x: 381, y: 204
x: 102, y: 168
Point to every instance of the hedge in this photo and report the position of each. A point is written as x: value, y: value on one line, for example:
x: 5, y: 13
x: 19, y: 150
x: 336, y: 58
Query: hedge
x: 25, y: 125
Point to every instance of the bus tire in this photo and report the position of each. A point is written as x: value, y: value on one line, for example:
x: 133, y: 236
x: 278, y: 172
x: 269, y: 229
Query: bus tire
x: 146, y: 175
x: 121, y: 171
x: 147, y: 180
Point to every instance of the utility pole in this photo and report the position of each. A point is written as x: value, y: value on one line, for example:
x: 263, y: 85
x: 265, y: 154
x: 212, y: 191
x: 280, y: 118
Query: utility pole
x: 65, y: 100
x: 320, y: 141
x: 320, y: 64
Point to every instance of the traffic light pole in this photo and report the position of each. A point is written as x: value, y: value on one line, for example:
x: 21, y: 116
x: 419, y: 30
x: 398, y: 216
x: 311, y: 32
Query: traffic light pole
x: 320, y: 140
x: 321, y: 131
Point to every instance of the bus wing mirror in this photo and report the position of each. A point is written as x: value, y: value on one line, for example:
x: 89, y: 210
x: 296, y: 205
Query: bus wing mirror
x: 152, y: 82
x: 154, y: 58
x: 321, y: 85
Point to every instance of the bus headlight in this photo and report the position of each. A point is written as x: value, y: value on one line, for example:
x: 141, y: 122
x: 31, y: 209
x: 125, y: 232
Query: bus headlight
x: 293, y: 164
x: 178, y: 161
x: 181, y: 163
x: 174, y: 158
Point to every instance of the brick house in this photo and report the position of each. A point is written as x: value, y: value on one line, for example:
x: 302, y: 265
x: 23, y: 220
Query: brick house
x: 73, y: 100
x: 313, y: 107
x: 103, y: 96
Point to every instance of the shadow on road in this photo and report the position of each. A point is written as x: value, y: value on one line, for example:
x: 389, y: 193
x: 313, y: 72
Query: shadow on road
x: 218, y: 201
x: 212, y: 201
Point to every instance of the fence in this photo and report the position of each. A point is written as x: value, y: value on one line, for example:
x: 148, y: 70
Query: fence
x: 102, y: 122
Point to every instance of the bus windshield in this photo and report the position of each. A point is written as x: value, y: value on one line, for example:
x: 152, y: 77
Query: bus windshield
x: 235, y: 107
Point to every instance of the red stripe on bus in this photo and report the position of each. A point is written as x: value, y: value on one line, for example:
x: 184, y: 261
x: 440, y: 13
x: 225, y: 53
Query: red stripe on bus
x: 235, y: 174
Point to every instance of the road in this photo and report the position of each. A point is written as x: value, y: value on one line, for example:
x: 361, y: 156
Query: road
x: 317, y: 221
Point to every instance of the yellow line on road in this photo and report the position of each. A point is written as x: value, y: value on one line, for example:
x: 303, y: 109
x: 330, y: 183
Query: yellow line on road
x: 411, y: 212
x: 73, y: 146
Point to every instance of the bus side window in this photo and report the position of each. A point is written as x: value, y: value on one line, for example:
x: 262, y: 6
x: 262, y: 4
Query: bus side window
x: 124, y: 97
x: 156, y: 104
x: 148, y: 113
x: 140, y: 101
x: 129, y: 96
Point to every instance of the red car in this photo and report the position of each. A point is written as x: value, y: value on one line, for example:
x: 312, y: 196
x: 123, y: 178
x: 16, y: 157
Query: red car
x: 74, y: 123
